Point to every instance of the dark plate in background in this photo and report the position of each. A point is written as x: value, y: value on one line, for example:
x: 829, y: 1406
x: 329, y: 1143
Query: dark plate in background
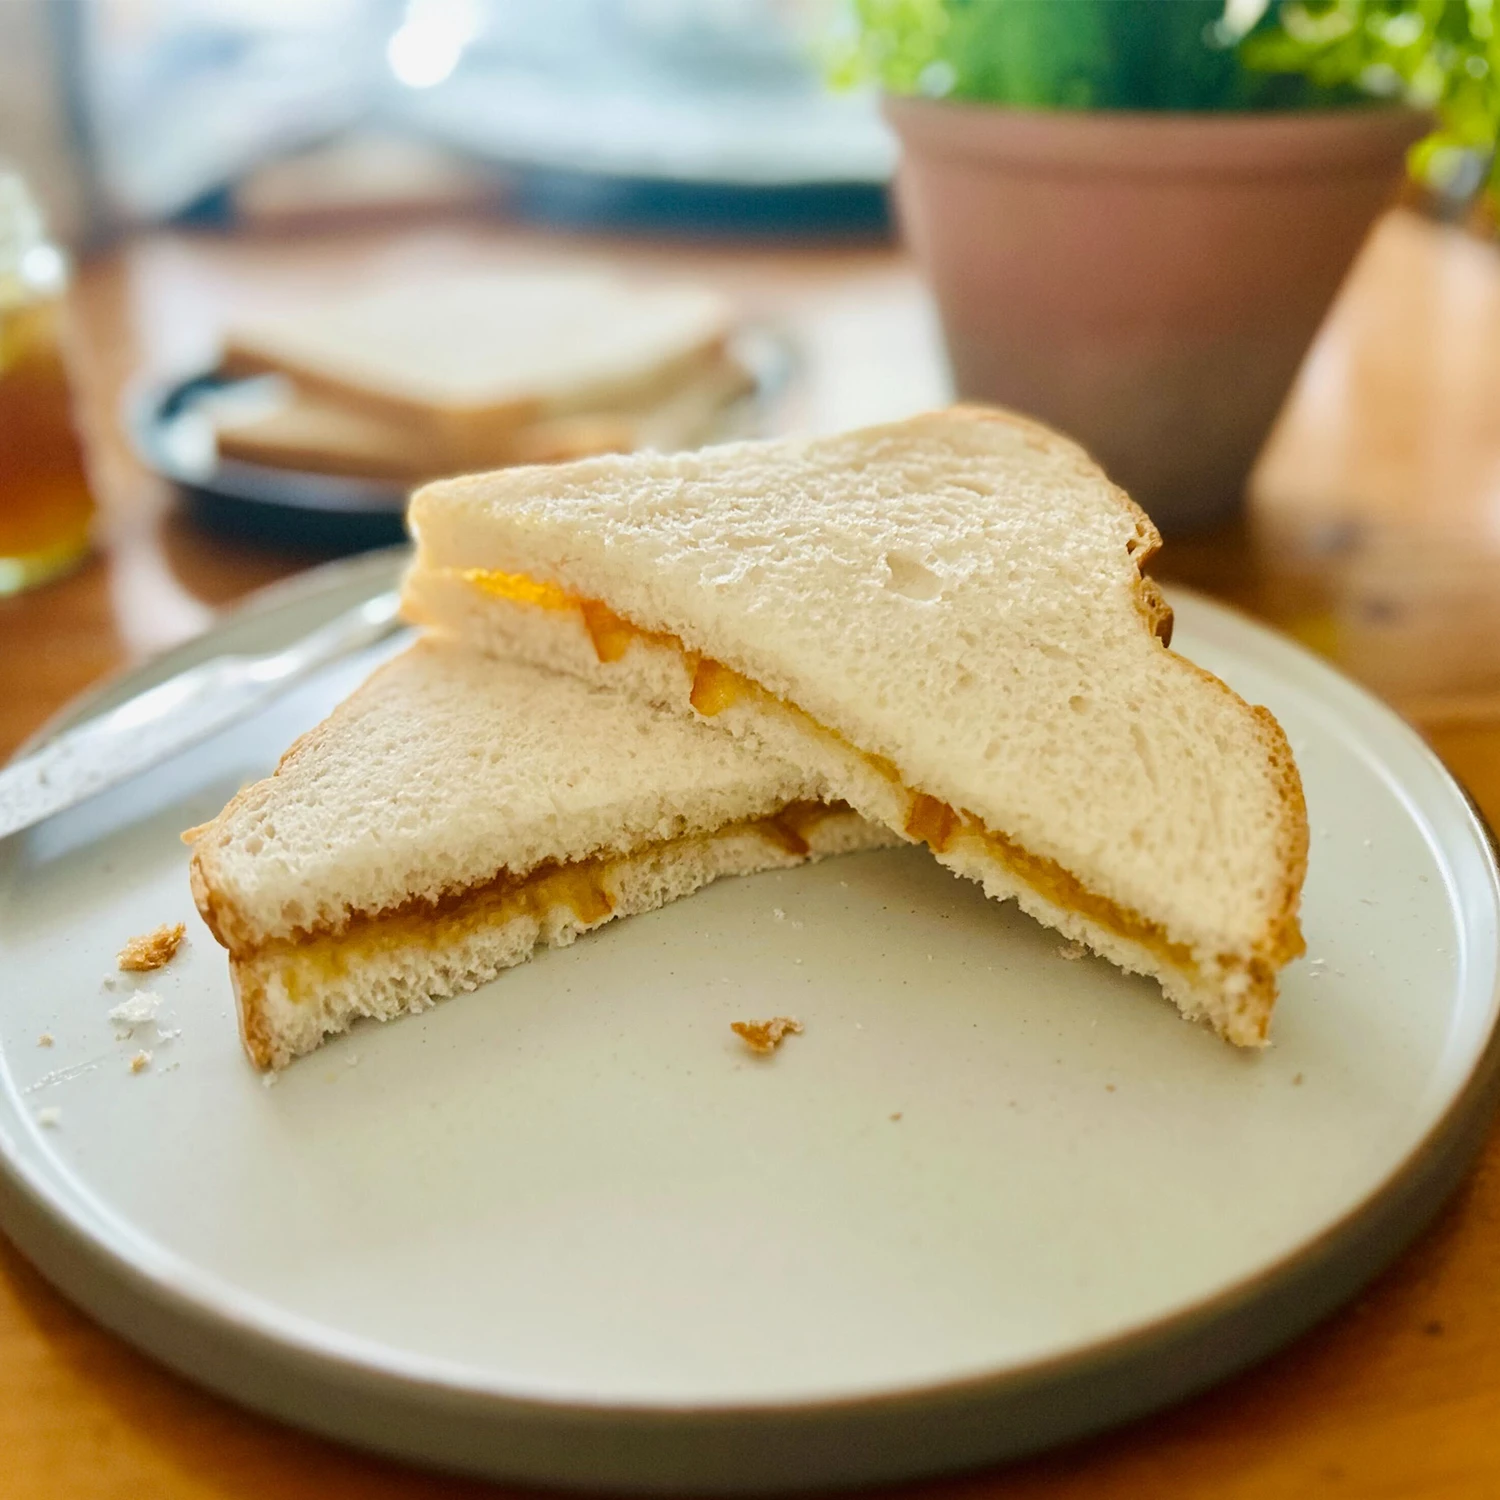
x: 174, y: 436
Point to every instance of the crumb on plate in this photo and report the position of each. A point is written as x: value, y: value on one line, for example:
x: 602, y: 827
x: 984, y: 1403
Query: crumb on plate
x: 764, y: 1036
x: 139, y: 1010
x: 45, y: 1039
x: 152, y: 949
x: 50, y: 1118
x: 1072, y: 951
x: 140, y: 1062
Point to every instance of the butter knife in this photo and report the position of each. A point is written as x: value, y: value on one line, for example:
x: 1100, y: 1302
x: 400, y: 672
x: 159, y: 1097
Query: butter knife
x: 174, y: 715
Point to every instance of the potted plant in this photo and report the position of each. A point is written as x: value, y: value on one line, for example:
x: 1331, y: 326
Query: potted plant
x: 1135, y: 214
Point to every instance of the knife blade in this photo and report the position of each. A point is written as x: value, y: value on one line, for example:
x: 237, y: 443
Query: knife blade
x: 176, y: 714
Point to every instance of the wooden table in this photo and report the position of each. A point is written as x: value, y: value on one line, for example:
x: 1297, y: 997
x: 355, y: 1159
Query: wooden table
x: 1374, y: 535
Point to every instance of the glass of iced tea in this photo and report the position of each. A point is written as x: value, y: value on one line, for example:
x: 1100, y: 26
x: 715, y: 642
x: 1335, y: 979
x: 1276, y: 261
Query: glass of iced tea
x: 45, y: 504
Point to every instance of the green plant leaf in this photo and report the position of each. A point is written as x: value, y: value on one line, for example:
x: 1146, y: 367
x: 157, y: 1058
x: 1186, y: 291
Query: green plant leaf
x: 1185, y: 55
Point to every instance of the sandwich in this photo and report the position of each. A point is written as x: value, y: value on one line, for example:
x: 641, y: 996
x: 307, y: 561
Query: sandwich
x: 437, y: 376
x: 292, y: 430
x: 456, y: 812
x: 288, y: 428
x: 947, y: 621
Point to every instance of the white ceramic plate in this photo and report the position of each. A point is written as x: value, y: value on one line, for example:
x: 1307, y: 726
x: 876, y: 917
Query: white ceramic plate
x: 568, y: 1230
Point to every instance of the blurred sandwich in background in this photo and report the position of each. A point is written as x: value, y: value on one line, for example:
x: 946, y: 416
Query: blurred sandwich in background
x: 482, y: 370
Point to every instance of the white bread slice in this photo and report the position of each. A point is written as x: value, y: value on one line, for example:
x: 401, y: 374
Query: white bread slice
x: 460, y: 359
x: 323, y: 434
x: 686, y: 416
x: 316, y: 435
x: 946, y: 619
x: 455, y: 812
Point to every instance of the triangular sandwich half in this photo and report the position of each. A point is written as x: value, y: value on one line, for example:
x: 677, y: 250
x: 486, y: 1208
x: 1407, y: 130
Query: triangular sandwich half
x: 947, y: 620
x: 455, y: 812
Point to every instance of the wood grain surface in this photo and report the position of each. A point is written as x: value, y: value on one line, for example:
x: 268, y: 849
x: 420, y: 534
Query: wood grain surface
x: 1373, y: 535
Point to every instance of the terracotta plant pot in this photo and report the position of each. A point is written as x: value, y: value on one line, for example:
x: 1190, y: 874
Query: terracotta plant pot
x: 1147, y: 283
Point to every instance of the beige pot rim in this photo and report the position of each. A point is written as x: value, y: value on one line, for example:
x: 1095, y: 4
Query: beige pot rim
x: 1161, y: 142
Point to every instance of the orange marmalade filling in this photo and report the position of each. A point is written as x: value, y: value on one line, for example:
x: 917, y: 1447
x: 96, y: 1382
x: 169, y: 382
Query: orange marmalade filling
x: 315, y: 957
x: 928, y: 820
x: 716, y: 687
x: 518, y: 588
x: 612, y: 636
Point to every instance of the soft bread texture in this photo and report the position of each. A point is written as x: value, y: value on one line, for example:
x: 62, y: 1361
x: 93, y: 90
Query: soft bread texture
x: 461, y: 360
x: 455, y: 812
x: 946, y: 620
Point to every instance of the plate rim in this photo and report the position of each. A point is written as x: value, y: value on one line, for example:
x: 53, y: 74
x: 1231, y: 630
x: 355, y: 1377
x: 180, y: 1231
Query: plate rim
x: 61, y: 1237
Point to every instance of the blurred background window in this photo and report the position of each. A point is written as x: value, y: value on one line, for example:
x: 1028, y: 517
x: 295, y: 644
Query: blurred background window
x: 176, y: 98
x: 676, y: 113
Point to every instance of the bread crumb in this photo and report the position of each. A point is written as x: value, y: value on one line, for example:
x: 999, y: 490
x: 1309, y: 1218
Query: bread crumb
x: 270, y: 1080
x: 152, y: 949
x: 897, y: 1115
x: 49, y: 1118
x: 765, y: 1036
x: 1297, y: 1080
x: 140, y: 1062
x: 1109, y: 1088
x: 1071, y: 951
x: 777, y: 912
x: 45, y: 1039
x: 139, y: 1010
